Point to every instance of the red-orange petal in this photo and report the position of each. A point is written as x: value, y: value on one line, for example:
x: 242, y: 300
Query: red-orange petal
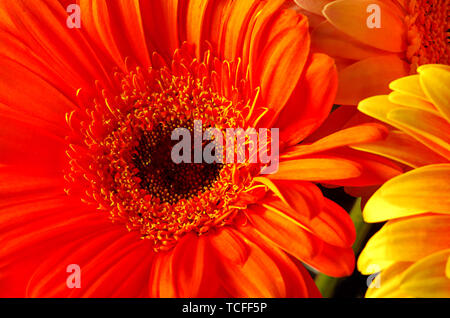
x: 365, y: 133
x: 311, y: 100
x: 317, y: 168
x: 281, y: 65
x: 303, y: 197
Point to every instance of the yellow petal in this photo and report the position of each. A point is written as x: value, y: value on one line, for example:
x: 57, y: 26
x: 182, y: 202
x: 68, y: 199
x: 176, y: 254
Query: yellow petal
x: 350, y: 16
x: 427, y: 66
x: 447, y: 268
x: 424, y: 123
x: 378, y: 107
x: 429, y: 129
x: 406, y: 240
x: 411, y: 101
x: 421, y: 190
x: 386, y: 285
x: 403, y: 148
x: 409, y: 85
x: 436, y: 85
x: 427, y: 278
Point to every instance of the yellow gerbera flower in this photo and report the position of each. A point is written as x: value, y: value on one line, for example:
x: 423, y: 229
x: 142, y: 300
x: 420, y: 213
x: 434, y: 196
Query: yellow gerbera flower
x: 412, y: 250
x: 377, y: 41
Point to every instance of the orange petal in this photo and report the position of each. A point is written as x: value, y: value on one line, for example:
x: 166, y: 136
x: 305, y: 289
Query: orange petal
x: 43, y: 28
x: 189, y: 265
x: 111, y: 280
x: 294, y: 278
x: 228, y: 240
x: 334, y: 225
x: 26, y: 145
x: 40, y: 205
x: 196, y: 21
x: 303, y: 197
x: 117, y: 28
x: 14, y: 49
x: 313, y: 19
x: 326, y: 38
x: 258, y: 277
x: 421, y: 190
x: 96, y: 262
x: 315, y: 6
x: 126, y: 23
x: 236, y: 17
x: 48, y: 282
x: 16, y: 184
x: 284, y: 232
x: 370, y: 132
x: 335, y: 121
x: 330, y: 224
x: 350, y: 16
x: 333, y: 261
x: 317, y: 169
x: 310, y: 102
x: 369, y: 77
x: 98, y: 26
x: 40, y: 232
x: 162, y: 281
x: 160, y: 21
x: 373, y: 170
x: 281, y: 65
x: 329, y: 259
x: 261, y: 28
x: 39, y: 100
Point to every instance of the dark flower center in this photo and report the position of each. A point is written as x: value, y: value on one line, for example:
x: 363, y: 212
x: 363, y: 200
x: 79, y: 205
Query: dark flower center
x: 161, y: 176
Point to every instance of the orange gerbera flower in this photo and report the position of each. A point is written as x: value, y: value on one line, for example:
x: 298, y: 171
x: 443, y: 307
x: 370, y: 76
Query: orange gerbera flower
x: 370, y: 55
x: 89, y: 111
x: 413, y: 247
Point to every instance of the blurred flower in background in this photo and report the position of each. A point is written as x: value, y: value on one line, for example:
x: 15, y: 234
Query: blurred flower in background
x: 410, y: 33
x: 413, y: 247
